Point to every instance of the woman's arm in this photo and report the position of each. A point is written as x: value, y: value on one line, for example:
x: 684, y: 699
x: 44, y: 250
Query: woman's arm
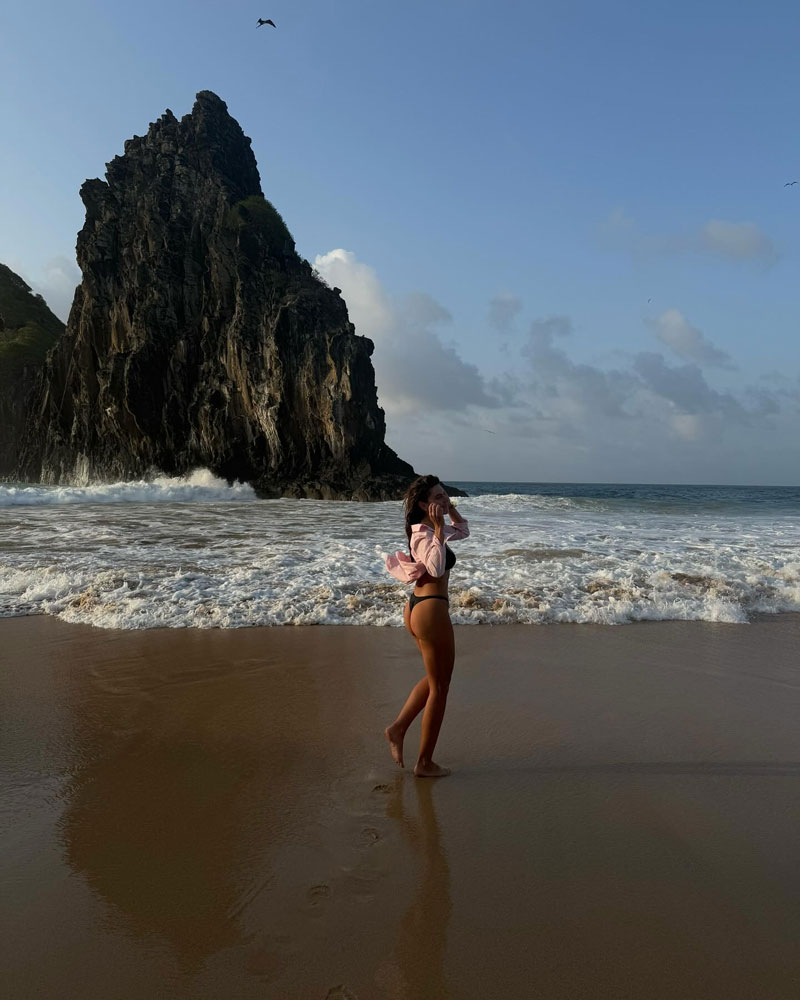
x: 455, y: 517
x: 460, y: 528
x: 436, y: 514
x: 430, y: 551
x: 429, y: 548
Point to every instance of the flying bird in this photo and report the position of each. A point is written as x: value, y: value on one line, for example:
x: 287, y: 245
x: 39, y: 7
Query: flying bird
x: 788, y: 184
x: 261, y: 21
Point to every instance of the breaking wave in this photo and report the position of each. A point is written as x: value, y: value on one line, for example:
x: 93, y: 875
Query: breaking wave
x: 131, y: 555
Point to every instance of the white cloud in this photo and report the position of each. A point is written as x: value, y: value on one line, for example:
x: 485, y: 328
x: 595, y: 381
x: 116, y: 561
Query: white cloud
x: 644, y: 413
x: 582, y: 390
x: 684, y: 386
x: 56, y: 283
x: 673, y: 329
x: 742, y: 241
x: 553, y: 417
x: 413, y: 369
x: 367, y: 303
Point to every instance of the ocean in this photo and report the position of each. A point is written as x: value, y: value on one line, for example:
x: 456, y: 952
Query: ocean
x: 195, y: 552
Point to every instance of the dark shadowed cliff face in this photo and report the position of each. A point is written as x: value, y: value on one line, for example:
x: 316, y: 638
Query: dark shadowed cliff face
x: 198, y: 337
x: 27, y: 332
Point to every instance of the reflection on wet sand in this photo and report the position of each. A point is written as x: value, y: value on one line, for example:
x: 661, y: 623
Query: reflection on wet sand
x: 213, y: 815
x: 417, y: 965
x: 173, y: 811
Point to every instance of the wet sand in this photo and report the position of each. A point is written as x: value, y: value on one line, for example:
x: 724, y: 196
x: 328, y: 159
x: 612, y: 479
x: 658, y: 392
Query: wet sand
x: 215, y: 814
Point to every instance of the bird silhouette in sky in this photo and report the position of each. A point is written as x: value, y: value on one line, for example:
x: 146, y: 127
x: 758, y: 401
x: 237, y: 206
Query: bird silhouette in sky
x: 262, y: 20
x: 789, y: 184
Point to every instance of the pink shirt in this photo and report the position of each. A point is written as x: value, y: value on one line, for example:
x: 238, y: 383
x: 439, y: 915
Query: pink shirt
x: 428, y: 554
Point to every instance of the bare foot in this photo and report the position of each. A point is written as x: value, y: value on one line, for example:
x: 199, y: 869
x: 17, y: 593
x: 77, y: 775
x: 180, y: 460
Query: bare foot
x: 430, y: 770
x: 395, y: 737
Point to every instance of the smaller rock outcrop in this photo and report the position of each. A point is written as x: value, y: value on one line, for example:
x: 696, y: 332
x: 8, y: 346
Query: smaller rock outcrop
x: 28, y: 329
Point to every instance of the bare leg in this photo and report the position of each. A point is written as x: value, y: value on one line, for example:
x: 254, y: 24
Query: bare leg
x: 438, y: 654
x: 413, y: 706
x: 431, y: 724
x: 414, y: 703
x: 434, y: 637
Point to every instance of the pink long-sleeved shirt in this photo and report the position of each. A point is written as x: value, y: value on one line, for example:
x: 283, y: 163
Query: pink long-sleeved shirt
x: 428, y: 554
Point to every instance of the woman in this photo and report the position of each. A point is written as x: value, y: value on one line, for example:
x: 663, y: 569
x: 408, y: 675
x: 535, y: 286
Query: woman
x: 426, y: 614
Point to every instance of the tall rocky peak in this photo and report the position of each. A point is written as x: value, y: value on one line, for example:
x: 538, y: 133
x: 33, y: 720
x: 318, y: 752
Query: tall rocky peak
x: 198, y: 336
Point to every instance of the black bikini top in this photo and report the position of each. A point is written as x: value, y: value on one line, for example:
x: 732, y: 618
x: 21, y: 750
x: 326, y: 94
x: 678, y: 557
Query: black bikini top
x: 449, y: 559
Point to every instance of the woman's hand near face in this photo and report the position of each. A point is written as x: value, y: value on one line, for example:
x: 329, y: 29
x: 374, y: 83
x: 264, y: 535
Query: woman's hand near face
x: 436, y: 514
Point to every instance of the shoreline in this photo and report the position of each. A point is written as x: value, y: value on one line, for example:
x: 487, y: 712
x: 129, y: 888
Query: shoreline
x: 217, y: 810
x: 758, y: 618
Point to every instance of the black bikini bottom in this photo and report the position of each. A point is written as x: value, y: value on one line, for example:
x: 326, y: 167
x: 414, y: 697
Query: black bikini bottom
x: 413, y: 601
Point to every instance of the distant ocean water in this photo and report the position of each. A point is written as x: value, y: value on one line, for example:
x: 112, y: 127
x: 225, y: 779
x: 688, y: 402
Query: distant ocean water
x: 195, y: 552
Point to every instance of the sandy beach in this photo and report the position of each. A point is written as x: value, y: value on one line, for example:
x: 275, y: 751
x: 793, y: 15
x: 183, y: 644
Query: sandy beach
x: 214, y: 814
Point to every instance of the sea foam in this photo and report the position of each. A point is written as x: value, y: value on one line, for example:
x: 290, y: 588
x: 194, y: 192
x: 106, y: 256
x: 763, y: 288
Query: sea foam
x: 145, y: 560
x: 199, y: 485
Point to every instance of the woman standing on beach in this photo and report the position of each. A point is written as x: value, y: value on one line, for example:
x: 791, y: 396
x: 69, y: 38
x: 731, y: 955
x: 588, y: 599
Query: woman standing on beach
x: 426, y: 614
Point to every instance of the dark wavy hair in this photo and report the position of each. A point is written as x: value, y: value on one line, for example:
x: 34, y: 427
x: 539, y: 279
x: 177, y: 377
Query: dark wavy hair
x: 417, y: 491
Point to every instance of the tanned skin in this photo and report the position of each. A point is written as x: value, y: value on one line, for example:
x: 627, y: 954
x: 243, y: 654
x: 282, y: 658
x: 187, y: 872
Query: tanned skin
x: 430, y: 626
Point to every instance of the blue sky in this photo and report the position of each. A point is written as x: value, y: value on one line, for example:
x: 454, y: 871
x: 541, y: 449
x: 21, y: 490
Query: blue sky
x: 610, y: 175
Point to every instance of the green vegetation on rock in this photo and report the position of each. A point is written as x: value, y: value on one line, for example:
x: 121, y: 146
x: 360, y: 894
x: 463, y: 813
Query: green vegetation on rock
x: 261, y: 215
x: 28, y: 329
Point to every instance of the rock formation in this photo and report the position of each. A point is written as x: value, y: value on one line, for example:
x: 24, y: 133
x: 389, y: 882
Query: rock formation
x: 27, y: 332
x: 199, y: 337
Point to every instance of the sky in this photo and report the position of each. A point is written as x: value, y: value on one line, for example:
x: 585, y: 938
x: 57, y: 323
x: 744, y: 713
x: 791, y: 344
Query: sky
x: 564, y: 224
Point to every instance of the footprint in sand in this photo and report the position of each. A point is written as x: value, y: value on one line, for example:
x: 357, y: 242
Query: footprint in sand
x: 382, y: 788
x: 317, y: 893
x: 340, y: 993
x: 371, y: 834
